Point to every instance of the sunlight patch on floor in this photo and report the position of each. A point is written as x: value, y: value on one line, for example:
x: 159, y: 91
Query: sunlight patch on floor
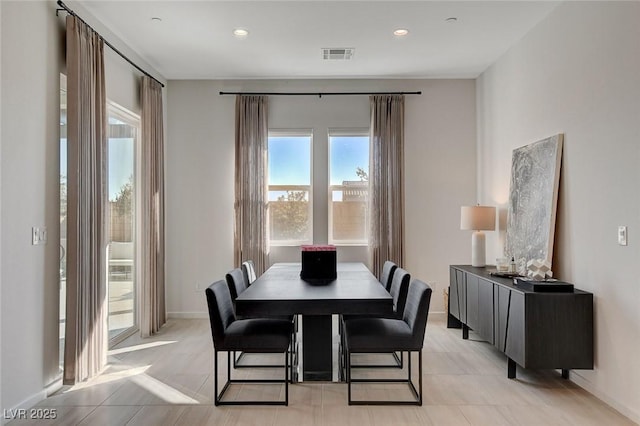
x: 109, y: 377
x: 162, y: 390
x: 139, y: 347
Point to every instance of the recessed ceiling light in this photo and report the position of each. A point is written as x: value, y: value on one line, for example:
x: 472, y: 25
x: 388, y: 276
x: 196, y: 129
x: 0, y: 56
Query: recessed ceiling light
x: 240, y: 32
x: 156, y: 19
x: 401, y: 32
x: 452, y: 19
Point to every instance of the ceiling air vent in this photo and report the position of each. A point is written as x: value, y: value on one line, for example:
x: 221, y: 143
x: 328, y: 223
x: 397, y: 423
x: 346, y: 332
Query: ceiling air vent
x: 337, y: 53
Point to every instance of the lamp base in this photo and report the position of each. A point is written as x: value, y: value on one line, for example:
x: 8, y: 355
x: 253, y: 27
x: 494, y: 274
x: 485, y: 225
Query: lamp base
x: 478, y: 254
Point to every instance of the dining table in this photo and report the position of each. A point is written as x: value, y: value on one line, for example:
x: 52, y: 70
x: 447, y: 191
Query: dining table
x: 280, y: 291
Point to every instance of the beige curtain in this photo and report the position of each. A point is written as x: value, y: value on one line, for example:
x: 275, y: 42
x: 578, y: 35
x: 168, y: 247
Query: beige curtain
x: 152, y: 297
x: 386, y: 181
x: 86, y: 317
x: 250, y: 231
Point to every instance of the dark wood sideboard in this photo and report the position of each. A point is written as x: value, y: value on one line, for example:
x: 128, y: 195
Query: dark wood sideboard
x: 534, y: 329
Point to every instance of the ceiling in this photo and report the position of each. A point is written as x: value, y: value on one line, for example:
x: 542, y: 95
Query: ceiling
x: 194, y: 39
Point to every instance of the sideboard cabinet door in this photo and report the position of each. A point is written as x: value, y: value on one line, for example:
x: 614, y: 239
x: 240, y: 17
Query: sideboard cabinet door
x: 457, y: 294
x: 485, y: 310
x: 473, y: 321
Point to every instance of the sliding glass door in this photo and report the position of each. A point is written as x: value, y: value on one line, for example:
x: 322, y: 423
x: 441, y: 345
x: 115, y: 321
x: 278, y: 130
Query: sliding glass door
x: 63, y: 219
x: 121, y: 214
x: 123, y: 132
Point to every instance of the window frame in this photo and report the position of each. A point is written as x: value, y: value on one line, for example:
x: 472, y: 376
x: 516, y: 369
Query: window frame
x: 292, y: 133
x: 342, y: 132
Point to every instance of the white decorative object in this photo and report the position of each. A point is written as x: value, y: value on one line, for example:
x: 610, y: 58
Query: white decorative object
x: 478, y: 219
x: 539, y: 269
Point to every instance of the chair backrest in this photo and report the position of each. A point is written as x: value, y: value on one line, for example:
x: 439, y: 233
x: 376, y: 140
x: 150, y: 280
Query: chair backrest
x: 399, y: 289
x: 119, y: 250
x: 387, y: 274
x: 417, y: 309
x: 221, y: 313
x: 249, y: 271
x: 236, y: 282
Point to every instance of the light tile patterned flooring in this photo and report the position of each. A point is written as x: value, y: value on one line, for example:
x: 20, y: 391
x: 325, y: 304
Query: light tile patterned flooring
x: 167, y: 380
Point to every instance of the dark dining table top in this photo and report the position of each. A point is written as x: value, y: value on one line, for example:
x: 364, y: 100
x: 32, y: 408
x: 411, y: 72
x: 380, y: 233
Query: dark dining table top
x: 281, y: 291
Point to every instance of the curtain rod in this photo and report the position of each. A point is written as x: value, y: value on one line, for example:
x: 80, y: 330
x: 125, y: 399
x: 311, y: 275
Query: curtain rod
x: 64, y: 7
x: 319, y: 94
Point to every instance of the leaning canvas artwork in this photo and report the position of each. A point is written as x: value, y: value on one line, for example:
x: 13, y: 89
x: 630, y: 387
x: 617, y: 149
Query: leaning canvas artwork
x: 533, y: 198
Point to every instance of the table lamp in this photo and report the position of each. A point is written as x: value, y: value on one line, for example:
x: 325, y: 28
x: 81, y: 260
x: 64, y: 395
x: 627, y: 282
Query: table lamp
x: 478, y: 219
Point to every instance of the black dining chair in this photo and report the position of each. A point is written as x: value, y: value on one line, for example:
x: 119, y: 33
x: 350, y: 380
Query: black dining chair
x: 388, y: 268
x: 398, y: 289
x: 236, y: 281
x: 254, y: 335
x: 249, y: 271
x: 383, y: 335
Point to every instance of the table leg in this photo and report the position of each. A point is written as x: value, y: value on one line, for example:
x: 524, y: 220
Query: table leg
x: 317, y: 347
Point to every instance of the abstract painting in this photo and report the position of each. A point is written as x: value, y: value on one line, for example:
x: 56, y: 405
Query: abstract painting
x: 533, y: 198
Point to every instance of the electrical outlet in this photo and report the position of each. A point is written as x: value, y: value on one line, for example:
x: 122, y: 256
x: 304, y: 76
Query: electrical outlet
x: 38, y: 235
x: 622, y: 235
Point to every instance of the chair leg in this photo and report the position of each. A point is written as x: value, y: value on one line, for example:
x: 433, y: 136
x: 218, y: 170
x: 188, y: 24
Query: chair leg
x: 236, y: 363
x: 218, y: 396
x: 348, y: 360
x: 399, y: 360
x: 286, y: 378
x: 420, y: 375
x: 416, y: 393
x: 215, y: 376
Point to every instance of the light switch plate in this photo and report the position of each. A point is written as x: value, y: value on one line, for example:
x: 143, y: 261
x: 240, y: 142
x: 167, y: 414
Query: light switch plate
x: 622, y: 235
x: 35, y: 236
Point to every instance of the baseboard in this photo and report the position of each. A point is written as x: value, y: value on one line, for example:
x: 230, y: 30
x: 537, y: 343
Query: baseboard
x: 187, y: 315
x: 21, y: 410
x: 628, y: 412
x: 439, y: 316
x: 53, y: 387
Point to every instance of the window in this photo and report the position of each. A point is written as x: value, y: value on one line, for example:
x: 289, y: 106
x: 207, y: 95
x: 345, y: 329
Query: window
x: 348, y: 187
x: 123, y: 134
x: 290, y: 217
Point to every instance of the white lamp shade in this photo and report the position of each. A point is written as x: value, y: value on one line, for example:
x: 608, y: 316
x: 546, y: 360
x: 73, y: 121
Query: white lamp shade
x: 478, y: 218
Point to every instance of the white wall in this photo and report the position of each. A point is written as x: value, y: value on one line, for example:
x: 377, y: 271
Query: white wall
x: 439, y: 160
x: 32, y: 58
x: 578, y: 73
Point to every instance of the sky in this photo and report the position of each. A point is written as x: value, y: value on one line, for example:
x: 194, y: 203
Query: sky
x: 290, y: 159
